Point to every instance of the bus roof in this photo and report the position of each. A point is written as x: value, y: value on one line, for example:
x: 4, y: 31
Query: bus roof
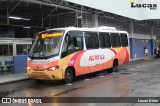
x: 94, y: 29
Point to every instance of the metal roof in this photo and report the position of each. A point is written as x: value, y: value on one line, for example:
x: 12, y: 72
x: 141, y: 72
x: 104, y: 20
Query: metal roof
x: 38, y: 11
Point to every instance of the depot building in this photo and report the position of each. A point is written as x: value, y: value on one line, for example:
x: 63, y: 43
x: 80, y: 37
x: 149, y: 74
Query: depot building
x: 21, y: 20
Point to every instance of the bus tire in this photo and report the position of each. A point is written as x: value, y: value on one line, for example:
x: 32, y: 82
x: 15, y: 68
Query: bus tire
x: 68, y: 78
x: 115, y: 67
x: 38, y: 81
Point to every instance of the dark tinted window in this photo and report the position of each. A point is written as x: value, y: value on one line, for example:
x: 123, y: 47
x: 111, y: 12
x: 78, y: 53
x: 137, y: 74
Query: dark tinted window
x: 104, y: 40
x: 91, y: 40
x: 124, y: 40
x: 75, y: 43
x: 115, y: 39
x: 76, y: 39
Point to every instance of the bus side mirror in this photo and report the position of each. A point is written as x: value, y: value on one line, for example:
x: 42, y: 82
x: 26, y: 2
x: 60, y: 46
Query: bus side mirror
x: 68, y: 40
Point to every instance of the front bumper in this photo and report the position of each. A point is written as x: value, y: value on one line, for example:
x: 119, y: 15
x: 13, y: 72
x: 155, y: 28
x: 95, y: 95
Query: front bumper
x: 45, y: 74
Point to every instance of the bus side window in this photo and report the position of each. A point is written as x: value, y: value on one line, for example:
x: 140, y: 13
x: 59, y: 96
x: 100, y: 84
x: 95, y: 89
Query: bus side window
x: 124, y: 40
x: 72, y: 44
x: 104, y: 40
x: 75, y: 44
x: 78, y: 43
x: 115, y: 40
x: 91, y: 40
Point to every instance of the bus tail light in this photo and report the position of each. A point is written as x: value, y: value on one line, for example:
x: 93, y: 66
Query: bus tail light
x: 53, y: 68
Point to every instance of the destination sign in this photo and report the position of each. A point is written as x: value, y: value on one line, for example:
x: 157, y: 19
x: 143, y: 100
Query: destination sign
x: 50, y: 35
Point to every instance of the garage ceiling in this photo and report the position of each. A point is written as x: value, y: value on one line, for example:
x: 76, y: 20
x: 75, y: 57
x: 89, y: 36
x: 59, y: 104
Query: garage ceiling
x: 36, y: 11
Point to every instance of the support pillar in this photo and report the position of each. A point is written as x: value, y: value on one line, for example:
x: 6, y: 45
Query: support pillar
x: 94, y: 20
x: 131, y: 39
x: 7, y: 16
x: 14, y: 49
x: 152, y: 40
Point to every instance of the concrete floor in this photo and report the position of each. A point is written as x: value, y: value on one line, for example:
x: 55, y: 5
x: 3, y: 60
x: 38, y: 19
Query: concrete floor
x: 140, y: 79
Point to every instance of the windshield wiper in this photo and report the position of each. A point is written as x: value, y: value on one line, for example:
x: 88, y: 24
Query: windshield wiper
x: 39, y: 48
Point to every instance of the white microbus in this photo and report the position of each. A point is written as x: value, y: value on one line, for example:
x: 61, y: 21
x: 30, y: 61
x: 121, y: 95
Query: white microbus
x: 64, y: 53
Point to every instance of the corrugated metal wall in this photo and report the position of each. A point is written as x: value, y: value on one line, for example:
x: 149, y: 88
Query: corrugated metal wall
x: 119, y: 24
x: 87, y: 20
x: 63, y: 20
x: 141, y: 29
x: 156, y: 31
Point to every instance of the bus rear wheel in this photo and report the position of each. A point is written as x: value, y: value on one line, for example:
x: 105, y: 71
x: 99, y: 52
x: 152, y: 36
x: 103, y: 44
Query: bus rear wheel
x: 115, y: 67
x: 68, y: 76
x: 38, y: 81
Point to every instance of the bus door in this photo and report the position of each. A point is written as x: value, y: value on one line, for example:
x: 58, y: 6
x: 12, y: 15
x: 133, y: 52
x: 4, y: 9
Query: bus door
x: 72, y: 49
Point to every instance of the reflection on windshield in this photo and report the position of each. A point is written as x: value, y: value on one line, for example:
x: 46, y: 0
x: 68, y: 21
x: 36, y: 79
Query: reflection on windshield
x: 45, y: 47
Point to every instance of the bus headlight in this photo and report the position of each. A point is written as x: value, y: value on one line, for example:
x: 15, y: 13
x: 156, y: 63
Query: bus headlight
x: 28, y: 68
x: 53, y: 68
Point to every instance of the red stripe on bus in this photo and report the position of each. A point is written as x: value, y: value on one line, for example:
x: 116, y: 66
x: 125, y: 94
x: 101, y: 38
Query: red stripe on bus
x: 127, y: 57
x: 114, y: 51
x: 73, y: 59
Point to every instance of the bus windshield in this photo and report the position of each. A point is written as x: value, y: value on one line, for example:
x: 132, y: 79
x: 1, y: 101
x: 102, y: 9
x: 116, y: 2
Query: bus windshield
x: 46, y: 44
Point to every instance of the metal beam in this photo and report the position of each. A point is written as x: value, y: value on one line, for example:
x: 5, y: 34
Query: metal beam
x: 50, y: 13
x: 15, y: 6
x: 42, y: 18
x: 53, y: 5
x: 7, y: 16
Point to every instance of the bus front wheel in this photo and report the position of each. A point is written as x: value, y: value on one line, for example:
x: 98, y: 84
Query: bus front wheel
x: 68, y: 75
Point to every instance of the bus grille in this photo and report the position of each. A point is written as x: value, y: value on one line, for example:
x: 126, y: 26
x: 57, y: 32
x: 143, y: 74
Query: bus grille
x: 39, y: 75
